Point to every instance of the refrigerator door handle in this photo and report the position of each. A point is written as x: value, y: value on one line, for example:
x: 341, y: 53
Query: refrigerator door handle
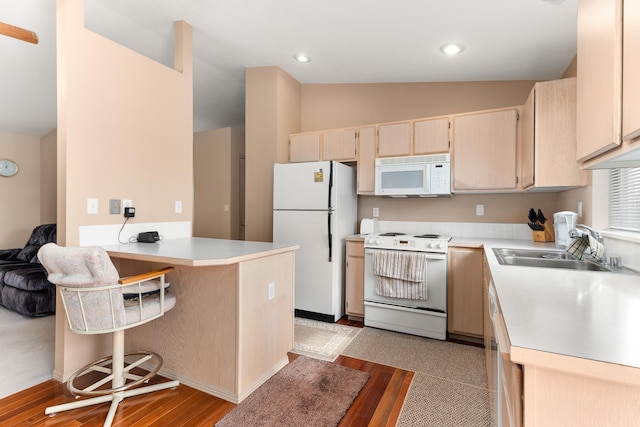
x: 330, y: 235
x: 329, y: 205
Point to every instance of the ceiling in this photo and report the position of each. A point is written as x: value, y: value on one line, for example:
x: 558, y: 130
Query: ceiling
x: 352, y: 41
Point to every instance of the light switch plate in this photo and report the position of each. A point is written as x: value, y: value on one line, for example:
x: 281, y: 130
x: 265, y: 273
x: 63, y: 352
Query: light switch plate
x: 92, y: 206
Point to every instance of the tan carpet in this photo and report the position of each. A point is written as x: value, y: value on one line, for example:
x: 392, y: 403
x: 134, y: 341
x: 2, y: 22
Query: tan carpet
x: 450, y: 384
x: 321, y: 340
x: 27, y: 351
x: 306, y: 392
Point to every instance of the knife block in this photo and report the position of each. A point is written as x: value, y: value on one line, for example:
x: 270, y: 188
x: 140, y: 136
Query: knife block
x: 546, y: 235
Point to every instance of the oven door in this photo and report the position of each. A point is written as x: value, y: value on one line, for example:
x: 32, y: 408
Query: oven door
x: 436, y: 284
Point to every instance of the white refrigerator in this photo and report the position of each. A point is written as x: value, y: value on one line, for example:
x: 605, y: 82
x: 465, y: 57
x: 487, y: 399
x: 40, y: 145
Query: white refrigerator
x: 315, y: 206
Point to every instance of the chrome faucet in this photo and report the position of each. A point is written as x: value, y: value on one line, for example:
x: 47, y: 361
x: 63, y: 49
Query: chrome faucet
x: 575, y: 232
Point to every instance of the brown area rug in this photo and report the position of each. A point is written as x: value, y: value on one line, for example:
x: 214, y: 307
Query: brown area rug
x: 306, y: 392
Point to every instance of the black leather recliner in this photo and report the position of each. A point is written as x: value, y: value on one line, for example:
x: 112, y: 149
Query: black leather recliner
x: 24, y: 287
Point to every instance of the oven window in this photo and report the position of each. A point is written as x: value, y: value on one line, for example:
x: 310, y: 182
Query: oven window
x: 402, y: 179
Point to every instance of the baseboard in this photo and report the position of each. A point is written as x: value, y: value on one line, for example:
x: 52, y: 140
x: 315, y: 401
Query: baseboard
x: 220, y: 392
x: 315, y: 316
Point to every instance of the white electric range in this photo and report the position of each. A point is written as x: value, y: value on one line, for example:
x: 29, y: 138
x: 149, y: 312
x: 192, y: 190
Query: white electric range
x: 405, y: 284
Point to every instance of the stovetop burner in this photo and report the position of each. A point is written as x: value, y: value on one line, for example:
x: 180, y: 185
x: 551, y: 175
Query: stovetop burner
x: 428, y: 236
x: 392, y: 234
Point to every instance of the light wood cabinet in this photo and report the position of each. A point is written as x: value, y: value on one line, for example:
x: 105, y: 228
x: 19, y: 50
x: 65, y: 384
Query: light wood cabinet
x: 484, y: 150
x: 431, y: 136
x: 304, y: 147
x: 394, y: 139
x: 549, y: 137
x: 464, y: 294
x: 354, y: 283
x: 631, y: 71
x: 486, y: 321
x: 366, y: 160
x: 600, y: 82
x: 339, y: 145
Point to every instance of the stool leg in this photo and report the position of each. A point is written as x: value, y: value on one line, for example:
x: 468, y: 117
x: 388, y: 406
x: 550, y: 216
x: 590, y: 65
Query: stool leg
x: 117, y: 367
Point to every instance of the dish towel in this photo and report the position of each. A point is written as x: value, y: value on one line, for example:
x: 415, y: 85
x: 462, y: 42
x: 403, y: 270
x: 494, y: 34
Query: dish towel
x: 577, y: 247
x: 596, y: 248
x: 400, y: 274
x: 580, y: 246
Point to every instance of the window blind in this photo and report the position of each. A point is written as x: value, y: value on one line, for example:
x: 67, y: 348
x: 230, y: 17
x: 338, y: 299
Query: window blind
x: 624, y: 199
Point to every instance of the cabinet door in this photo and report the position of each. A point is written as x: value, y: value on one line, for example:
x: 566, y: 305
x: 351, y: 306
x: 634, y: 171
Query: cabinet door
x: 631, y: 71
x: 354, y: 287
x: 339, y: 145
x: 484, y: 151
x: 465, y: 316
x: 304, y: 147
x: 366, y: 160
x: 394, y: 139
x: 431, y: 136
x: 600, y: 82
x: 488, y: 329
x: 528, y: 147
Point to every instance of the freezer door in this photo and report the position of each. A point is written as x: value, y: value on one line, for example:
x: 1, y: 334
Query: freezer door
x: 302, y: 186
x: 318, y: 283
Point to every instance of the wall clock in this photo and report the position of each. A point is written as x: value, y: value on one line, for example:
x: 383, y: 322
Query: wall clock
x: 8, y: 167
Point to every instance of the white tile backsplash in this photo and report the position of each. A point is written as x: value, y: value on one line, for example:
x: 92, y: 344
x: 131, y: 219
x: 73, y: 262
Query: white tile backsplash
x: 99, y: 235
x: 461, y: 229
x: 628, y: 251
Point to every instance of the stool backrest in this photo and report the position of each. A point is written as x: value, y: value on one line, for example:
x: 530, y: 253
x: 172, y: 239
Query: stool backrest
x: 89, y: 287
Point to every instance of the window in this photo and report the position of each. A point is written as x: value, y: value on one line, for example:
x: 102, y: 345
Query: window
x: 624, y: 199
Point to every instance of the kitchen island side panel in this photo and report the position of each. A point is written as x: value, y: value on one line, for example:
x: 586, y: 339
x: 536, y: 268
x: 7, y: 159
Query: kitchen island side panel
x: 197, y: 338
x: 265, y: 319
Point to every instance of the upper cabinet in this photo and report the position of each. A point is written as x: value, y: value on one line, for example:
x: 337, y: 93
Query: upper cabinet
x: 608, y: 92
x: 366, y: 160
x: 304, y: 147
x: 394, y: 139
x: 484, y: 150
x: 431, y: 136
x: 631, y: 71
x: 339, y: 145
x: 549, y: 138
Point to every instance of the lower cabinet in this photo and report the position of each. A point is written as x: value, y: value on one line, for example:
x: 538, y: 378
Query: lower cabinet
x: 355, y: 279
x: 464, y: 295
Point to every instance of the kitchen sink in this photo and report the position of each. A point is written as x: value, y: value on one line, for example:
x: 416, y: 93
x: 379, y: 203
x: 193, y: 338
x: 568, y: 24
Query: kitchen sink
x: 532, y: 253
x: 544, y: 258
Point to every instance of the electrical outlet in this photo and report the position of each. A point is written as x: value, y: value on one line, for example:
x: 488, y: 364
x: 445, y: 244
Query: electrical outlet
x: 271, y: 293
x: 114, y: 206
x: 178, y: 206
x: 127, y: 203
x: 479, y: 210
x: 376, y: 212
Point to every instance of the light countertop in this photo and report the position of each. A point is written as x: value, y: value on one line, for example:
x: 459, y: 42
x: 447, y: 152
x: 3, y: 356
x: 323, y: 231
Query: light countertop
x: 586, y: 314
x: 197, y: 251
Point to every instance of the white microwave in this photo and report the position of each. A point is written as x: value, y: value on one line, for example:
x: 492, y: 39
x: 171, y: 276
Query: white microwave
x: 422, y: 176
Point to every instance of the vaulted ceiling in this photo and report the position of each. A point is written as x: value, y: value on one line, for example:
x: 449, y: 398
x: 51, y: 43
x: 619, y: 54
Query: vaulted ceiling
x: 349, y: 41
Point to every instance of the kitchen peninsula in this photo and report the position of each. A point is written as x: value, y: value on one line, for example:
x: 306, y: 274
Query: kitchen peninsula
x: 232, y: 325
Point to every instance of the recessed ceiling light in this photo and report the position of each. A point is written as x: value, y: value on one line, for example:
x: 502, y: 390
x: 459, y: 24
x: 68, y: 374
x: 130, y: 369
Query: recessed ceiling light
x: 451, y: 48
x: 302, y: 58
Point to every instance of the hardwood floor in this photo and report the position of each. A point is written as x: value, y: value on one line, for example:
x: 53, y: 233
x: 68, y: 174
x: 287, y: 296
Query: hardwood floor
x: 379, y: 403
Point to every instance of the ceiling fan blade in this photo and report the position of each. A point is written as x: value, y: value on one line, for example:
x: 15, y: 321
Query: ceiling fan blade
x: 18, y: 33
